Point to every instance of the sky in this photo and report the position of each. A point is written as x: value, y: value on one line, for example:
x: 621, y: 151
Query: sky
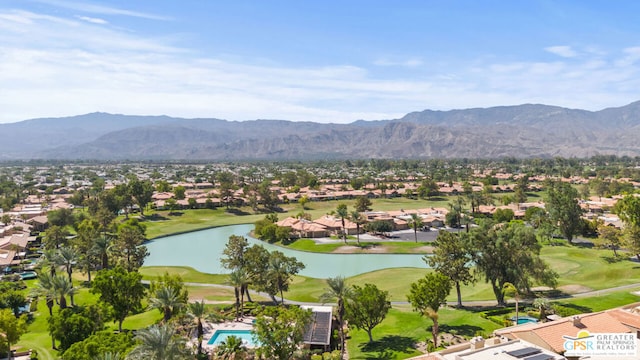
x: 323, y: 61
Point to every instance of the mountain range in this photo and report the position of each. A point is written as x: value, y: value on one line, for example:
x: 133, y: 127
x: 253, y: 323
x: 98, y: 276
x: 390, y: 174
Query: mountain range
x: 522, y: 131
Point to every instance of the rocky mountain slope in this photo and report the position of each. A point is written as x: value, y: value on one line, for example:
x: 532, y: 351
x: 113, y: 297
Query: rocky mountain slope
x: 520, y: 131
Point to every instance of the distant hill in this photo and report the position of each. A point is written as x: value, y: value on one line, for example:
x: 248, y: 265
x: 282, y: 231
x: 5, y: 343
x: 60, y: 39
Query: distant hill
x: 521, y: 131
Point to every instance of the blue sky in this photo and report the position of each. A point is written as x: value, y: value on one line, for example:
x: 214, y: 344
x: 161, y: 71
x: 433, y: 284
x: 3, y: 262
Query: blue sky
x: 325, y: 61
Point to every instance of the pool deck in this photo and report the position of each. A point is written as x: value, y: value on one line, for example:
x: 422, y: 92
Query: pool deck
x: 210, y: 328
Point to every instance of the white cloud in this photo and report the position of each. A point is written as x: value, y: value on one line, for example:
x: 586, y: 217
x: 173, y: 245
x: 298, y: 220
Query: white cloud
x: 93, y: 20
x: 54, y: 66
x: 100, y: 9
x: 411, y: 62
x: 563, y: 51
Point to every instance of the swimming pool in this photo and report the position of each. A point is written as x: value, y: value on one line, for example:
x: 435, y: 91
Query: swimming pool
x: 524, y: 319
x: 222, y: 335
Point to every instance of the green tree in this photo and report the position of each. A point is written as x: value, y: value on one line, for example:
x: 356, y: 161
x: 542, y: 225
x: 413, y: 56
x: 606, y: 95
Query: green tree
x: 338, y: 290
x: 362, y: 204
x: 198, y: 312
x: 121, y: 290
x: 231, y: 348
x: 167, y: 300
x: 239, y: 279
x: 142, y: 192
x: 179, y: 192
x: 128, y: 247
x: 367, y: 307
x: 99, y: 344
x: 61, y: 217
x: 509, y: 253
x: 159, y: 342
x: 280, y: 272
x: 12, y: 299
x: 54, y: 237
x: 427, y: 295
x: 12, y: 328
x: 88, y: 231
x: 631, y: 239
x: 279, y: 330
x: 358, y: 219
x: 611, y: 236
x: 452, y: 257
x: 415, y: 222
x: 63, y: 288
x: 303, y: 201
x: 343, y: 213
x: 72, y: 325
x: 103, y: 248
x: 564, y: 210
x: 503, y: 215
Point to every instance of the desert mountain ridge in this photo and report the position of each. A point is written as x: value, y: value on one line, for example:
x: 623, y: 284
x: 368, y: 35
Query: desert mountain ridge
x: 529, y: 130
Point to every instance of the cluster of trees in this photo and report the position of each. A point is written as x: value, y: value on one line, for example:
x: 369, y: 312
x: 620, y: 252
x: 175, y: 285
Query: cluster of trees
x: 270, y: 272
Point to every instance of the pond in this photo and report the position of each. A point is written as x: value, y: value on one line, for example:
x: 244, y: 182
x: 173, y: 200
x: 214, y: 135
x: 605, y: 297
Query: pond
x: 202, y: 251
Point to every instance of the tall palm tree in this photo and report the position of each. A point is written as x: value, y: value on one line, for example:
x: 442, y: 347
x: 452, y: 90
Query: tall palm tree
x: 338, y: 290
x: 102, y: 247
x: 159, y: 342
x: 415, y: 222
x: 63, y: 287
x: 343, y: 213
x: 511, y: 290
x: 167, y: 300
x: 198, y: 311
x: 45, y: 288
x: 358, y: 219
x: 239, y: 279
x: 50, y: 259
x: 231, y: 348
x: 68, y: 257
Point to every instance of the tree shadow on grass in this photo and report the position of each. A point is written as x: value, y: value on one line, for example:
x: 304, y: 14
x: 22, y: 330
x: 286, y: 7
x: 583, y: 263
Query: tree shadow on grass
x: 612, y: 259
x: 237, y: 211
x: 389, y: 344
x: 462, y: 330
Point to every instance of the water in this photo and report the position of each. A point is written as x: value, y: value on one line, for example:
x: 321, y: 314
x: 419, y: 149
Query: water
x: 221, y: 335
x: 202, y: 251
x: 524, y: 319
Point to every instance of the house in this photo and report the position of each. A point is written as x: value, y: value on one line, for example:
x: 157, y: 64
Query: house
x: 494, y: 348
x: 552, y: 335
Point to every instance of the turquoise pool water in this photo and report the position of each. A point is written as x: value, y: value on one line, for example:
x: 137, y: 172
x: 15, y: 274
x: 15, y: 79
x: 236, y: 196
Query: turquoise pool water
x: 202, y: 251
x: 222, y: 335
x: 524, y: 319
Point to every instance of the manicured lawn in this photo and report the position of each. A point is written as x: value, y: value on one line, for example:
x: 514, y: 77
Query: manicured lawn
x: 396, y: 336
x: 590, y: 267
x: 187, y: 274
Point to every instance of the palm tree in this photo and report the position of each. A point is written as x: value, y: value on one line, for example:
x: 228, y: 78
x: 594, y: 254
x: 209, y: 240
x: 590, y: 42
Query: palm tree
x: 159, y: 342
x: 415, y: 222
x: 231, y: 348
x: 63, y: 287
x: 167, y: 300
x: 68, y: 257
x: 340, y: 291
x: 342, y: 212
x: 102, y: 247
x: 45, y: 288
x: 50, y: 259
x: 239, y: 279
x: 511, y: 290
x: 198, y: 311
x: 358, y: 219
x: 542, y: 304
